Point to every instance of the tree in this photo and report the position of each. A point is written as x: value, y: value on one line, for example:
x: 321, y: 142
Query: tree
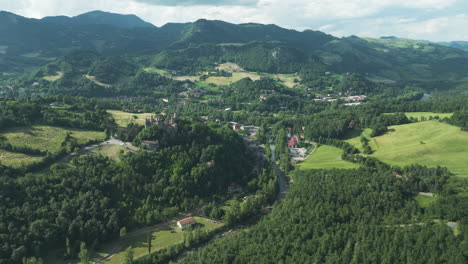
x: 68, y: 250
x: 123, y: 232
x: 149, y: 239
x: 128, y: 256
x: 84, y: 254
x: 32, y: 260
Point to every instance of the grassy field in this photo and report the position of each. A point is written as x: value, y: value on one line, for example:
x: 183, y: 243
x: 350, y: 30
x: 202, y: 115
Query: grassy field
x: 418, y: 115
x: 112, y: 151
x: 48, y: 137
x: 429, y: 143
x: 188, y: 77
x: 288, y: 79
x: 53, y: 78
x: 162, y: 237
x: 94, y: 80
x: 424, y: 201
x: 236, y: 76
x: 326, y: 157
x: 124, y: 118
x: 229, y: 66
x: 17, y: 160
x: 156, y: 70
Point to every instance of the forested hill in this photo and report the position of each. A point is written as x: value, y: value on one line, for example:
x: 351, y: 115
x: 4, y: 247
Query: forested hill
x: 101, y: 18
x: 462, y: 45
x: 30, y: 43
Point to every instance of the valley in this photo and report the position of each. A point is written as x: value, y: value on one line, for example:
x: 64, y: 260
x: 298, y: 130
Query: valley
x: 212, y: 142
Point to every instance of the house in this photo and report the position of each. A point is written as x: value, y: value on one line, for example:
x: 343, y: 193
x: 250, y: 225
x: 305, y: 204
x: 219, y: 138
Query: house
x: 292, y: 143
x: 150, y: 145
x: 186, y: 223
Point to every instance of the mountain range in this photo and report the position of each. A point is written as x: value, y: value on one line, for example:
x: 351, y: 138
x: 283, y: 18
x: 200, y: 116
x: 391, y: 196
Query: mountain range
x: 28, y: 44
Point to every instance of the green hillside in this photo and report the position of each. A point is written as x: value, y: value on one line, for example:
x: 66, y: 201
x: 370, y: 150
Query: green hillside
x: 429, y: 143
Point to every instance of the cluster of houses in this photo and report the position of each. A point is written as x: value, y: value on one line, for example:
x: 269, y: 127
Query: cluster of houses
x: 350, y: 100
x: 265, y: 94
x: 196, y: 92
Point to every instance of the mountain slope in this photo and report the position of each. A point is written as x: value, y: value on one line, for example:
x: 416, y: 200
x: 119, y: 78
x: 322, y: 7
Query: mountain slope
x: 462, y: 45
x: 395, y: 59
x: 215, y: 32
x: 101, y: 18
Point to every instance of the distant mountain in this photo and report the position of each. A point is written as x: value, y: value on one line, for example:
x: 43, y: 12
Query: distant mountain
x: 191, y: 47
x: 101, y: 18
x: 462, y: 45
x: 395, y: 59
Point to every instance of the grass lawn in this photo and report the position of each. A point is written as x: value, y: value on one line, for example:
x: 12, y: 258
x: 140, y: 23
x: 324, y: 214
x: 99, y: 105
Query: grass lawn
x: 236, y: 76
x: 156, y: 70
x: 418, y: 115
x: 162, y: 237
x: 48, y: 137
x: 123, y: 118
x: 288, y: 79
x: 94, y: 80
x: 53, y: 78
x: 424, y: 201
x: 17, y: 160
x: 110, y: 150
x: 184, y: 78
x: 326, y: 157
x: 429, y: 143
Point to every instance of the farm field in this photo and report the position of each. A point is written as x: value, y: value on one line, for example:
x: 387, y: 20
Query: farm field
x: 326, y: 157
x: 17, y: 160
x: 48, y: 137
x: 123, y: 118
x: 430, y: 143
x: 163, y: 236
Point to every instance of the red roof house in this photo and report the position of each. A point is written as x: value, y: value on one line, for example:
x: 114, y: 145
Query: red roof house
x: 186, y: 222
x: 292, y: 143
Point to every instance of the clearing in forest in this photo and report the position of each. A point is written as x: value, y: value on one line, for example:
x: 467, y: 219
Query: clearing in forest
x: 326, y: 157
x: 53, y: 78
x: 48, y: 138
x: 124, y: 118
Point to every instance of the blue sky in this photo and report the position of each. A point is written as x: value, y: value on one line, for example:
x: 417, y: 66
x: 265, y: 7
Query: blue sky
x: 436, y: 20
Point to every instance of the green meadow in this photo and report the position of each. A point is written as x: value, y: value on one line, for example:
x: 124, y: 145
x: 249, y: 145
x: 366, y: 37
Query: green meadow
x: 162, y: 236
x: 326, y: 157
x: 124, y: 118
x: 431, y: 143
x: 48, y: 138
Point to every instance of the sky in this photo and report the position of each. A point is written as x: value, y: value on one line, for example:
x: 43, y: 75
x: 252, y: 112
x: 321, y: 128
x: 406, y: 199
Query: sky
x: 435, y: 20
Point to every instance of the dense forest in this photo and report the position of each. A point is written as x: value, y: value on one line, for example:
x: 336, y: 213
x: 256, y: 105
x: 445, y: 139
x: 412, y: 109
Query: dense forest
x: 92, y: 200
x: 346, y: 216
